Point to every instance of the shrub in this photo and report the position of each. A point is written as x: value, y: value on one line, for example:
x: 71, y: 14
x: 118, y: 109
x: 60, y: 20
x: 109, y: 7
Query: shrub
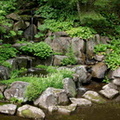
x: 111, y: 52
x: 6, y: 52
x: 38, y: 85
x: 82, y: 32
x: 41, y: 49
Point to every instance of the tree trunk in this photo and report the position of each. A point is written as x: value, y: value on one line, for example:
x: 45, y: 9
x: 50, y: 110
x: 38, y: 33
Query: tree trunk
x: 78, y: 9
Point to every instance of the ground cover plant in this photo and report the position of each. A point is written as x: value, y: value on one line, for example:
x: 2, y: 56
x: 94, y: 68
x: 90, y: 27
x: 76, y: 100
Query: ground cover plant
x: 39, y: 84
x: 111, y: 52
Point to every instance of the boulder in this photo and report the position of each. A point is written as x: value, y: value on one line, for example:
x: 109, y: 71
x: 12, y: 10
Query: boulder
x: 78, y: 46
x: 8, y: 109
x: 116, y: 73
x: 16, y: 90
x: 110, y: 85
x: 52, y: 97
x: 69, y: 86
x: 81, y: 102
x: 99, y: 58
x: 99, y: 70
x: 20, y: 25
x: 66, y: 110
x: 58, y: 59
x: 59, y: 44
x: 116, y: 81
x: 28, y: 111
x: 2, y: 88
x: 109, y: 93
x: 81, y: 71
x: 14, y: 16
x: 94, y: 97
x: 4, y: 73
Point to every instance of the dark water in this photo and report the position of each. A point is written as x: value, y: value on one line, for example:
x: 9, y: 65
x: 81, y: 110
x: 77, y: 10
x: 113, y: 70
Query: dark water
x: 110, y: 111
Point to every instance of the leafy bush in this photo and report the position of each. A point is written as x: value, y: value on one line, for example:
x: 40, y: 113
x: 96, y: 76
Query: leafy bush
x: 16, y: 73
x: 6, y: 52
x: 82, y: 32
x: 38, y: 85
x: 41, y: 49
x: 111, y: 52
x: 71, y: 59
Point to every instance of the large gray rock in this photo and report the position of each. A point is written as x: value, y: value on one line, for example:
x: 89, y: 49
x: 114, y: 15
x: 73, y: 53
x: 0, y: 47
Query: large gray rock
x: 109, y: 93
x: 81, y: 102
x: 4, y: 73
x: 110, y: 85
x: 58, y: 59
x: 69, y: 86
x: 8, y: 109
x: 93, y: 96
x: 16, y: 90
x: 116, y: 81
x: 99, y: 70
x: 78, y: 46
x: 67, y: 109
x: 116, y: 73
x: 28, y: 111
x: 81, y: 71
x: 59, y: 44
x: 52, y: 97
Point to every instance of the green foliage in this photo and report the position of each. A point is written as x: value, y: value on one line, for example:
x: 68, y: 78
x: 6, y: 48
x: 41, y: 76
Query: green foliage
x: 106, y: 80
x: 16, y: 73
x: 82, y: 32
x: 14, y: 100
x: 41, y: 49
x: 71, y: 59
x: 1, y: 97
x: 6, y: 52
x: 38, y: 85
x: 52, y: 80
x: 111, y: 52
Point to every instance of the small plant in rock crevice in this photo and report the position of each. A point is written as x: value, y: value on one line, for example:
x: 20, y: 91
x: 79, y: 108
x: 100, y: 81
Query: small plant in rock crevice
x: 71, y: 59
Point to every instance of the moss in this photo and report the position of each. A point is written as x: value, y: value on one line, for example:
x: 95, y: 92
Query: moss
x: 97, y: 99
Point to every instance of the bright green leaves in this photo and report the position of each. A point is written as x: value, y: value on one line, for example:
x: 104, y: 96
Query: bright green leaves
x: 82, y: 32
x: 111, y: 52
x: 41, y: 49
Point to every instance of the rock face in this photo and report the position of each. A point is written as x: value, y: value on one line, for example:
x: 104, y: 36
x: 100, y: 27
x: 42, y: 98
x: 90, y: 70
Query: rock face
x: 67, y: 109
x: 58, y: 59
x: 81, y: 102
x: 93, y: 96
x: 8, y: 109
x: 78, y: 46
x: 52, y: 97
x: 69, y: 86
x: 4, y: 73
x: 109, y: 93
x: 16, y: 90
x: 28, y: 111
x: 98, y: 70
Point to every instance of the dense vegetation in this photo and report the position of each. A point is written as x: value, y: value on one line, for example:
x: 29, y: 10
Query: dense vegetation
x: 78, y: 18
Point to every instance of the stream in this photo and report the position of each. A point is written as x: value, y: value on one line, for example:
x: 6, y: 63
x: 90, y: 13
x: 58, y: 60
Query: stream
x: 110, y: 111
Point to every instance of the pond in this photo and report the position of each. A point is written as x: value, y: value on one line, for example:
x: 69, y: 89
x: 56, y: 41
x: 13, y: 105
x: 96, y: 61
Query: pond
x: 110, y: 111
